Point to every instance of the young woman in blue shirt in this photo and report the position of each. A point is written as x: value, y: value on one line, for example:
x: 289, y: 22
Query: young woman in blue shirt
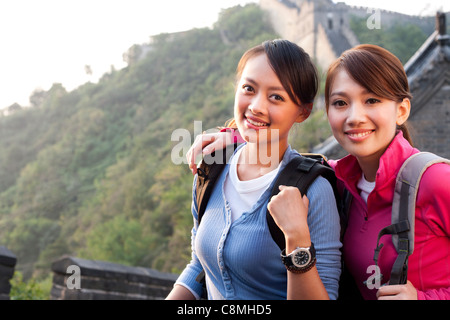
x: 276, y: 86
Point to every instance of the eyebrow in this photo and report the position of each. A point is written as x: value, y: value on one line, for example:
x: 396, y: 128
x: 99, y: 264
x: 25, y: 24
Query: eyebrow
x: 270, y: 88
x: 343, y: 93
x: 339, y: 93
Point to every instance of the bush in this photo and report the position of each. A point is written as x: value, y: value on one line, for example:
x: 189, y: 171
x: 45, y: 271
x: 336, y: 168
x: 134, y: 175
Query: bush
x: 31, y: 289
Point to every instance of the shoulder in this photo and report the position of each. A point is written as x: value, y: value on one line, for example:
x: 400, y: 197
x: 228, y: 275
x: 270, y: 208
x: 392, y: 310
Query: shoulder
x: 433, y: 197
x: 321, y: 185
x: 431, y: 182
x: 321, y: 198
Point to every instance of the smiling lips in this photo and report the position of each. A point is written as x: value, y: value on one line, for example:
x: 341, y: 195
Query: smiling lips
x: 256, y: 123
x: 358, y: 135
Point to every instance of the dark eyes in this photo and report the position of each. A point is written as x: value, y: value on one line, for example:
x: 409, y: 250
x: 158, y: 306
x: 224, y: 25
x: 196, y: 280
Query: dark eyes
x: 338, y: 103
x: 341, y: 103
x: 372, y: 101
x: 248, y: 88
x: 277, y: 97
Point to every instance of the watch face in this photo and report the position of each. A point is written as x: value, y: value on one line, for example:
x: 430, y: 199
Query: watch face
x: 301, y: 258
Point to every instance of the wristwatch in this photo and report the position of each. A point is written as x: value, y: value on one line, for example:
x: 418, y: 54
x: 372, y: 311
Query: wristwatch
x: 300, y: 260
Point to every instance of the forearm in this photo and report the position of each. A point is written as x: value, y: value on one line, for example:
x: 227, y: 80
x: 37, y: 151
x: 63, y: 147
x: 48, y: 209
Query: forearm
x: 180, y: 293
x: 308, y: 285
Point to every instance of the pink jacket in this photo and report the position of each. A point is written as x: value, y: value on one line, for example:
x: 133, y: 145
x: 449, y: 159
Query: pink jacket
x: 429, y: 265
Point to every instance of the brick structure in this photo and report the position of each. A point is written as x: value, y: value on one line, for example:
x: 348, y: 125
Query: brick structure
x: 80, y: 279
x: 429, y: 78
x: 322, y: 27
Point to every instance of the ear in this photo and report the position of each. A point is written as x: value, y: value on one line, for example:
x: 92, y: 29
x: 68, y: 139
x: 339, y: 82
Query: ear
x: 403, y: 111
x: 304, y: 114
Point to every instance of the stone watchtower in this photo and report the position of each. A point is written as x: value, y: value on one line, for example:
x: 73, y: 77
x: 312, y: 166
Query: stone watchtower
x: 321, y: 27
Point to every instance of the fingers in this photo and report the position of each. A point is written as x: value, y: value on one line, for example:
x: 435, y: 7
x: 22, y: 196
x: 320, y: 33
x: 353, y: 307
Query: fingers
x: 295, y: 190
x: 397, y: 292
x: 217, y: 144
x: 282, y: 187
x: 206, y: 144
x: 197, y: 149
x: 289, y: 189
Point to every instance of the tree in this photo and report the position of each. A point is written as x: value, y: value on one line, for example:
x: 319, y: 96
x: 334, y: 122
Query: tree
x: 14, y: 108
x: 89, y: 171
x: 37, y: 97
x: 402, y: 40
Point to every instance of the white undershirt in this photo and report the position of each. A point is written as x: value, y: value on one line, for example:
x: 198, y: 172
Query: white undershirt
x: 366, y: 187
x: 243, y: 195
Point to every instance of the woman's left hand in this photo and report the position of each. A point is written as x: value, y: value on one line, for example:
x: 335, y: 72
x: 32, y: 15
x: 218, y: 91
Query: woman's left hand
x: 289, y: 211
x: 397, y: 292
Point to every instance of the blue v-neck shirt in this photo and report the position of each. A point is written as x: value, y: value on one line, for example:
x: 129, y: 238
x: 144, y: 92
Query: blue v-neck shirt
x: 240, y: 258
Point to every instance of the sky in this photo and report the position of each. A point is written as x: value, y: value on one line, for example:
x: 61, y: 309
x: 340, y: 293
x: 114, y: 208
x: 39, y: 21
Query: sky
x: 51, y: 41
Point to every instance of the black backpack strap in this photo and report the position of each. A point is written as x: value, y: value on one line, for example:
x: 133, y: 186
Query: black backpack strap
x: 207, y: 174
x: 344, y: 210
x: 299, y: 172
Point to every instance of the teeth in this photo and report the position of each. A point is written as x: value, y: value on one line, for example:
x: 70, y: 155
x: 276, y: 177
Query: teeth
x: 258, y: 124
x: 359, y: 135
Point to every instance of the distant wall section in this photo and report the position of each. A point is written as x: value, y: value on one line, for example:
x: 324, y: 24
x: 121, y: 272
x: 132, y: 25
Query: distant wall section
x: 80, y: 279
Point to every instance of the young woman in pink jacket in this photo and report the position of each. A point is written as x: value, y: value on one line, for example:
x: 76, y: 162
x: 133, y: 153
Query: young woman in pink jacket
x: 368, y: 102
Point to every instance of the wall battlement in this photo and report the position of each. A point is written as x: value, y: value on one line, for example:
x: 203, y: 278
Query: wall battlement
x: 322, y: 27
x: 80, y: 279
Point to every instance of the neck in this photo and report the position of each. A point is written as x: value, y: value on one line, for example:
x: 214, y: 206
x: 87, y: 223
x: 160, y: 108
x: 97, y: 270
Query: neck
x: 264, y: 154
x: 369, y: 165
x: 369, y: 169
x: 259, y: 159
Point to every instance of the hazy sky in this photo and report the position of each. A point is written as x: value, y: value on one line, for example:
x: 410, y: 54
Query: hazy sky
x: 48, y: 41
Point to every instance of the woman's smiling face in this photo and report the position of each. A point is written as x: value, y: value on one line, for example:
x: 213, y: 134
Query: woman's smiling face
x: 262, y: 104
x: 363, y: 123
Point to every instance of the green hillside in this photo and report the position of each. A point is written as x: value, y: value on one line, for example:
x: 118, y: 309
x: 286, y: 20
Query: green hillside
x: 89, y: 172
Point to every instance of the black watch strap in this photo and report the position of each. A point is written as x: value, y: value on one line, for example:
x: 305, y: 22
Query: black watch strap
x: 290, y: 266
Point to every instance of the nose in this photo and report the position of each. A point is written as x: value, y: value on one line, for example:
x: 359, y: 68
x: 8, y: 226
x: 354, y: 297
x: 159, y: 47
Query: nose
x: 356, y: 114
x: 258, y: 105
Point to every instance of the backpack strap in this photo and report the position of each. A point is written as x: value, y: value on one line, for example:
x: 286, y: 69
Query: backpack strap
x: 299, y: 172
x: 208, y: 172
x: 403, y: 212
